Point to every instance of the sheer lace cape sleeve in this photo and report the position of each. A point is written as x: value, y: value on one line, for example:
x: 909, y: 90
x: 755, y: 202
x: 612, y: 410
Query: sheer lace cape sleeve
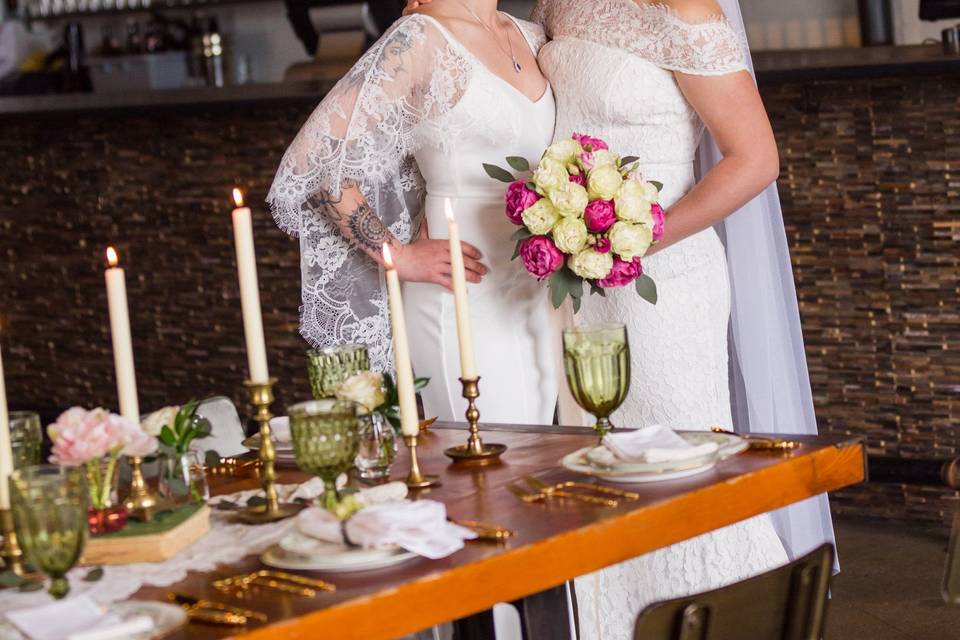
x: 655, y: 32
x: 365, y: 132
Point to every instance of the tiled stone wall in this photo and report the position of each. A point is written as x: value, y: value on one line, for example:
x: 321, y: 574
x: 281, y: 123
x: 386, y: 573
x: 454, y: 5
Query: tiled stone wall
x: 871, y: 174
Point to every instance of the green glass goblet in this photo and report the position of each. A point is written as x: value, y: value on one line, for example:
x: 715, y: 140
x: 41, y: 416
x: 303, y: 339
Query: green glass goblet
x: 49, y: 505
x: 328, y: 368
x: 326, y: 438
x: 597, y: 364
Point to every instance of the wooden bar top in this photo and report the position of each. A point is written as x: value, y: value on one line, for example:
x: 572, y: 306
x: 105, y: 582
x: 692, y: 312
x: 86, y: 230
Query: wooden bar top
x: 554, y: 542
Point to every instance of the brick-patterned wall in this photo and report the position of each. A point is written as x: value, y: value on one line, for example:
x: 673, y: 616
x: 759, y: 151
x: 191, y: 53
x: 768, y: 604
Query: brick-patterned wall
x: 871, y: 174
x: 870, y: 185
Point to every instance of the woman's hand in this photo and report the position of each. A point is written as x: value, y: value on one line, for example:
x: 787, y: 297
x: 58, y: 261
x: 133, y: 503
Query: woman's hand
x: 426, y: 260
x: 413, y: 5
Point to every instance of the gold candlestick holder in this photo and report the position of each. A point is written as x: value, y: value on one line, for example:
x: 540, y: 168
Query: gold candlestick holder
x: 416, y: 479
x: 11, y: 553
x: 141, y: 502
x: 475, y: 452
x: 261, y: 397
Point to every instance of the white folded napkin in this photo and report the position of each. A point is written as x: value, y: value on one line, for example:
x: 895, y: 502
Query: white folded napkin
x: 653, y: 444
x: 280, y: 428
x: 77, y: 618
x: 420, y: 527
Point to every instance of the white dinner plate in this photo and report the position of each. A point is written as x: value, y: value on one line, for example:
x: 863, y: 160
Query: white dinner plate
x: 297, y: 552
x: 167, y: 618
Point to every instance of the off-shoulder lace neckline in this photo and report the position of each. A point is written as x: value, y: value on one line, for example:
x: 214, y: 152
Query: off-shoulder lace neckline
x: 670, y: 14
x: 455, y: 42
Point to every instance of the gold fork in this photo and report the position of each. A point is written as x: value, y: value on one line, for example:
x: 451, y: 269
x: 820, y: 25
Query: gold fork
x: 278, y: 580
x: 761, y: 443
x: 585, y: 486
x: 548, y: 491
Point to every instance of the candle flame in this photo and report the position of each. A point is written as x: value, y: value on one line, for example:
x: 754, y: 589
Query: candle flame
x: 448, y: 209
x: 238, y: 197
x: 112, y: 258
x: 387, y: 257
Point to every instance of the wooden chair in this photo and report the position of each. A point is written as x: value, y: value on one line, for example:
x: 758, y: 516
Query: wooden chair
x: 788, y: 603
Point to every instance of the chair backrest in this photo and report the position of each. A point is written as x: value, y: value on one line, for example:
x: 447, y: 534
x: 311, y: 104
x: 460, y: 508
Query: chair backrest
x: 788, y: 603
x: 227, y: 434
x: 951, y: 576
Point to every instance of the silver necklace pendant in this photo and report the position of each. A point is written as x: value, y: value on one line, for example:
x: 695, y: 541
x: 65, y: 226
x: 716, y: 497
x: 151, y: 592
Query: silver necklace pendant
x: 517, y: 67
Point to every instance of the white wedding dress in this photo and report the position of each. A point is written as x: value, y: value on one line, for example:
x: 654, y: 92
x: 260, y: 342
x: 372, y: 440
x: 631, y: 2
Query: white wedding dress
x: 611, y: 64
x: 412, y: 124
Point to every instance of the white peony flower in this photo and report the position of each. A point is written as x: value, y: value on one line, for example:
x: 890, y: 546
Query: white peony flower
x: 604, y: 158
x: 564, y: 151
x: 632, y: 203
x: 590, y: 264
x: 630, y: 240
x: 604, y: 182
x: 570, y: 199
x: 365, y: 388
x: 550, y: 175
x: 541, y: 217
x: 570, y: 235
x: 156, y: 421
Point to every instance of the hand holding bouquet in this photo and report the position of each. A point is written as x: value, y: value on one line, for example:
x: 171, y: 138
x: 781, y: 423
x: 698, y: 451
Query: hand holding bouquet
x: 586, y: 214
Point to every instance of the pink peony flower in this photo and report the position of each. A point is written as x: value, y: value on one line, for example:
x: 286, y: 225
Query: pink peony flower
x: 599, y: 216
x: 659, y: 220
x: 603, y: 245
x: 622, y: 274
x: 580, y: 179
x: 540, y: 256
x: 519, y: 198
x: 80, y: 436
x: 593, y: 144
x: 586, y: 160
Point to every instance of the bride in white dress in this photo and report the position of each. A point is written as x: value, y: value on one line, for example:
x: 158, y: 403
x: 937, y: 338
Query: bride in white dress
x: 409, y: 126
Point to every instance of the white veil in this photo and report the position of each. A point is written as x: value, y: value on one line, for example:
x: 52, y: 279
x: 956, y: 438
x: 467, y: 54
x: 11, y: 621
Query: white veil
x: 769, y: 382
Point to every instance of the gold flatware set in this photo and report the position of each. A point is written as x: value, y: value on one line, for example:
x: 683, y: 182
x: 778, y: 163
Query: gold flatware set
x: 211, y: 612
x: 276, y: 580
x: 580, y: 491
x: 762, y: 443
x: 486, y: 532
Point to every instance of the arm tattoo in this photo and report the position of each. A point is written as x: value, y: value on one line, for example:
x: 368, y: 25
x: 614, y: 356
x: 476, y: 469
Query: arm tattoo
x: 366, y: 228
x: 325, y: 203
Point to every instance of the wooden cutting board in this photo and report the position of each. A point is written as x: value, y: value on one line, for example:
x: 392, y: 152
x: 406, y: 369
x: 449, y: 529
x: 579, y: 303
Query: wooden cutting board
x: 149, y: 542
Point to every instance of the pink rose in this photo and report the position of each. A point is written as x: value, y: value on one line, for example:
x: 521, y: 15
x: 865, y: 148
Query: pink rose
x: 519, y: 198
x: 540, y: 256
x: 622, y: 274
x: 659, y: 219
x: 80, y: 436
x: 603, y: 245
x: 580, y: 179
x: 592, y: 144
x: 599, y: 216
x: 586, y: 160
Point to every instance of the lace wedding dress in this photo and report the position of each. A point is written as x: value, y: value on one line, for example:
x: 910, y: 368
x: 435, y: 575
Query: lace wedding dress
x: 611, y: 64
x: 412, y: 124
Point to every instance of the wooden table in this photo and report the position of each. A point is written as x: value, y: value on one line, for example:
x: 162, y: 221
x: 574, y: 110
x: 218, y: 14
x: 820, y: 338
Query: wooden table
x: 555, y: 542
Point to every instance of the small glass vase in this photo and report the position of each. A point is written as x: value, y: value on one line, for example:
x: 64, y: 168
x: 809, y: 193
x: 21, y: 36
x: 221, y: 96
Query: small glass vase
x: 378, y: 448
x: 183, y: 479
x: 106, y: 513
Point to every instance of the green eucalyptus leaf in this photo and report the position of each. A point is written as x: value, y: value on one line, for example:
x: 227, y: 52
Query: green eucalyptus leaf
x: 518, y: 163
x: 597, y: 291
x: 647, y: 288
x: 30, y: 585
x: 624, y: 161
x: 516, y: 251
x: 10, y: 579
x: 94, y: 575
x: 420, y: 383
x: 498, y: 173
x: 658, y: 185
x: 256, y: 501
x: 558, y: 288
x: 211, y: 458
x: 521, y: 234
x: 532, y: 186
x: 576, y: 303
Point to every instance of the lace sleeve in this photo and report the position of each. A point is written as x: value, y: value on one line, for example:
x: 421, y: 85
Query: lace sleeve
x: 706, y: 48
x: 364, y: 133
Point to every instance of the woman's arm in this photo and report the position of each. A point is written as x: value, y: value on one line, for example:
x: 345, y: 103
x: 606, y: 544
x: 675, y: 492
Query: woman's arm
x: 731, y: 108
x: 423, y: 260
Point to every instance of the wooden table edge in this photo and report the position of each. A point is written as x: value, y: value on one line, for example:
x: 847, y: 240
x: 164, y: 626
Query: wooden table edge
x: 463, y: 590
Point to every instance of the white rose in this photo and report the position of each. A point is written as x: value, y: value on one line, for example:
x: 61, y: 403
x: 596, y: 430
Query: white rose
x: 605, y: 157
x: 156, y: 421
x: 632, y: 203
x: 591, y: 265
x: 570, y: 235
x: 604, y: 182
x: 569, y: 199
x: 541, y: 217
x: 630, y: 240
x: 650, y: 191
x: 364, y: 388
x: 564, y: 151
x: 550, y: 175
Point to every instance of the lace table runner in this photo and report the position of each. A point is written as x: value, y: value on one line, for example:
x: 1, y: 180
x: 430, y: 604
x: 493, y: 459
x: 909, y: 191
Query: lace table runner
x: 226, y: 542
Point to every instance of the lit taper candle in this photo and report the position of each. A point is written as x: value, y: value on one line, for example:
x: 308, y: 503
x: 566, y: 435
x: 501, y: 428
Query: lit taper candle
x: 6, y: 453
x: 116, y: 281
x: 249, y: 291
x: 458, y: 277
x: 409, y: 419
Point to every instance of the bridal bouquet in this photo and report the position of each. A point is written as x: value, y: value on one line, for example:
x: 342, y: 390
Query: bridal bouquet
x: 585, y: 215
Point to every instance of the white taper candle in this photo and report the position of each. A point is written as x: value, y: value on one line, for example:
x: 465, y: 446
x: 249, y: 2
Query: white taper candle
x: 122, y: 342
x: 458, y: 277
x: 249, y: 291
x: 409, y: 418
x: 6, y: 453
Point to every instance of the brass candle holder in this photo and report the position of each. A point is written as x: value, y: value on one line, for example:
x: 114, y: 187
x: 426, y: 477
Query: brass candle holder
x: 416, y: 479
x: 11, y: 553
x: 475, y: 452
x: 261, y: 397
x: 141, y: 502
